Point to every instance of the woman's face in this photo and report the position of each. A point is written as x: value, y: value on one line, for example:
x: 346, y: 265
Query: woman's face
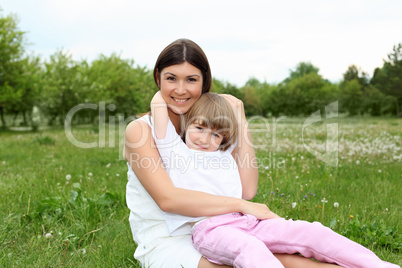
x: 181, y: 86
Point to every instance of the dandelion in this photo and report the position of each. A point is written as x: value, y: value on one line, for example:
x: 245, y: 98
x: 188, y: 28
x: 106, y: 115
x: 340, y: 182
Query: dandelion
x: 48, y: 235
x: 351, y: 216
x: 108, y: 165
x: 336, y: 205
x: 90, y: 174
x: 379, y: 171
x: 324, y: 200
x: 68, y: 177
x: 294, y: 204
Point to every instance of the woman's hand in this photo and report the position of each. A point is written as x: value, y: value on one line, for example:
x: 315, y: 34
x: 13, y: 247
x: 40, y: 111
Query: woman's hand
x: 237, y: 106
x: 260, y: 211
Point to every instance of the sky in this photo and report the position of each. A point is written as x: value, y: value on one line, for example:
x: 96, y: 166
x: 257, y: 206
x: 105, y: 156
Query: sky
x: 261, y: 39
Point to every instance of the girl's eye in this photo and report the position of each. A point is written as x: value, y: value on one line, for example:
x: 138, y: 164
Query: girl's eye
x: 216, y: 135
x: 199, y: 128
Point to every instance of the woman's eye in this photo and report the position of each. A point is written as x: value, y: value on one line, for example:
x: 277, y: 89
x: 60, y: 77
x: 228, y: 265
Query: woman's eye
x: 170, y: 78
x: 192, y: 79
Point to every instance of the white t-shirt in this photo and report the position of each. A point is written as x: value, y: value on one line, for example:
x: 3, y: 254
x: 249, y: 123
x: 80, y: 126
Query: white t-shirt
x: 211, y: 172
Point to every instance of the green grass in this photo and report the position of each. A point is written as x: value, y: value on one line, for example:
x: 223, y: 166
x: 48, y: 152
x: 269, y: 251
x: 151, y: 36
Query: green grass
x: 61, y: 205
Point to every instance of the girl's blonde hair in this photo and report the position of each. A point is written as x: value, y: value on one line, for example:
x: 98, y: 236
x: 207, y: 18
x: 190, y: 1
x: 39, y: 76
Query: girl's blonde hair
x: 213, y: 111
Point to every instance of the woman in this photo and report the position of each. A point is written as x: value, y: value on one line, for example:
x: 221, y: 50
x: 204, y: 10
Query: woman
x: 182, y: 74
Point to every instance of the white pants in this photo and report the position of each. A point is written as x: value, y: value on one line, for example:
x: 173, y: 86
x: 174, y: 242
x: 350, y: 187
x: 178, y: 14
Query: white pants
x: 172, y: 252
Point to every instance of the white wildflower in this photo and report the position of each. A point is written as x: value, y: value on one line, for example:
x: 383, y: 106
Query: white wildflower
x: 297, y: 177
x: 293, y: 158
x: 266, y: 167
x: 294, y: 204
x: 4, y: 162
x: 379, y: 171
x: 336, y: 204
x: 117, y: 175
x: 83, y: 251
x: 48, y: 235
x: 68, y: 177
x: 301, y: 157
x: 357, y: 162
x: 90, y: 174
x: 324, y: 200
x: 108, y: 165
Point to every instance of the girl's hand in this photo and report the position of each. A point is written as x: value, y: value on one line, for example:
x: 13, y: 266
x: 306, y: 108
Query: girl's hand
x: 260, y: 211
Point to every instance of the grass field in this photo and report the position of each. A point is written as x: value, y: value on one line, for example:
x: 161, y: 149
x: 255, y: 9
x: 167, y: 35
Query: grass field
x: 61, y: 205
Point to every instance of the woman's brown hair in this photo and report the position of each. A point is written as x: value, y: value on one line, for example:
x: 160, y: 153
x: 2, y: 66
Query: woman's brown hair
x: 184, y: 50
x: 213, y: 111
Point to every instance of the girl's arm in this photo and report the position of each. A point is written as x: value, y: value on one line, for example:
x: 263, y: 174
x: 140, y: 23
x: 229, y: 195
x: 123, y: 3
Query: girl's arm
x: 160, y: 115
x: 244, y: 152
x: 141, y: 153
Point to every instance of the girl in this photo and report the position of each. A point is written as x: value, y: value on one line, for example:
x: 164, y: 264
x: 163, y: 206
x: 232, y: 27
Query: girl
x: 236, y: 239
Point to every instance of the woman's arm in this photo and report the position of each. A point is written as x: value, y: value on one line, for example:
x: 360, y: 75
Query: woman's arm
x: 244, y: 152
x: 160, y: 115
x: 141, y: 153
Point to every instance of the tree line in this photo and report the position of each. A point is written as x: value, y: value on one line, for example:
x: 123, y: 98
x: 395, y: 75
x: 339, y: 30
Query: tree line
x: 56, y: 85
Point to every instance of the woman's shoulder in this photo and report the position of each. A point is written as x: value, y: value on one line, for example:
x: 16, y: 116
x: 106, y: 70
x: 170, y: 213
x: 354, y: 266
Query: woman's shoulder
x: 138, y: 128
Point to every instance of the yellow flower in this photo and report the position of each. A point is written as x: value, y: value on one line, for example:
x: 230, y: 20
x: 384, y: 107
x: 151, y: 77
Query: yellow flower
x: 351, y: 216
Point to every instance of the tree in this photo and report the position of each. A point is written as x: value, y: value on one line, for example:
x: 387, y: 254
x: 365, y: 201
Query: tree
x: 61, y: 86
x: 11, y: 51
x: 28, y: 83
x: 388, y: 79
x: 303, y: 95
x: 351, y: 97
x: 302, y: 69
x: 116, y: 81
x: 355, y: 73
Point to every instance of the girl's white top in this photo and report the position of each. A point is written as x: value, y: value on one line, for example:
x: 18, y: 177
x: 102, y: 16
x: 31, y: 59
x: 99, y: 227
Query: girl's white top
x: 210, y: 172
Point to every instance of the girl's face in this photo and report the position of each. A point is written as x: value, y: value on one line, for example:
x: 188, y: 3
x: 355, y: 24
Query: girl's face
x: 201, y: 138
x: 181, y: 86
